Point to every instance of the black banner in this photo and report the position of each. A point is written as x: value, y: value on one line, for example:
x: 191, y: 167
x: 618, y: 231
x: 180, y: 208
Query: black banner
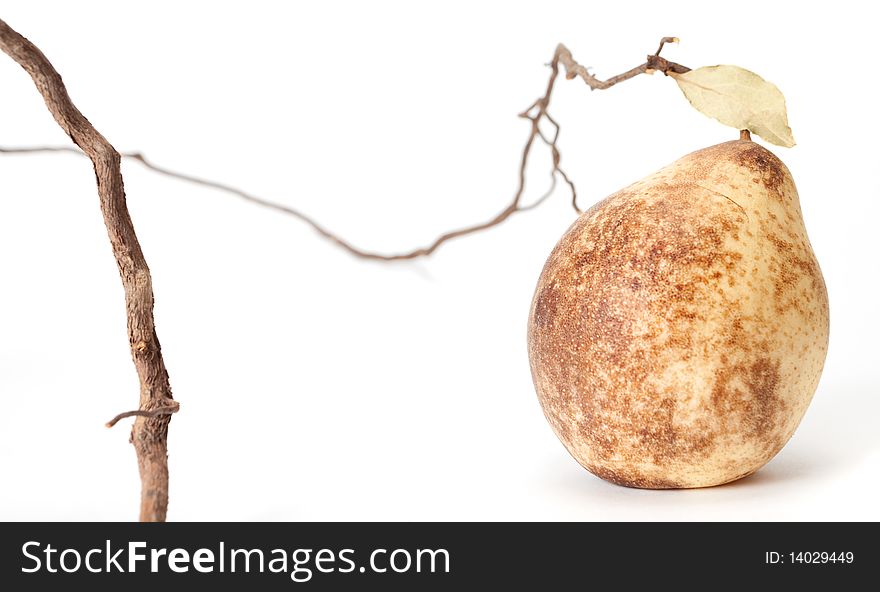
x: 409, y: 556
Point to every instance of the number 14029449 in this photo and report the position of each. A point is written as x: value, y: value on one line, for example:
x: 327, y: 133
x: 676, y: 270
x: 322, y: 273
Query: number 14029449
x: 821, y: 557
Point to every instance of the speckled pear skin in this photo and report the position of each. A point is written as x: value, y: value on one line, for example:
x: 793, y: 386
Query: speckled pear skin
x: 679, y: 328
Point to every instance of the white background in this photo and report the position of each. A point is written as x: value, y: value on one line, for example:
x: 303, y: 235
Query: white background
x: 314, y: 386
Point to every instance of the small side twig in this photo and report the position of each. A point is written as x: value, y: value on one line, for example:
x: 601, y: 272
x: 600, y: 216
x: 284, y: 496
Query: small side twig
x: 536, y: 114
x: 663, y: 42
x: 167, y: 410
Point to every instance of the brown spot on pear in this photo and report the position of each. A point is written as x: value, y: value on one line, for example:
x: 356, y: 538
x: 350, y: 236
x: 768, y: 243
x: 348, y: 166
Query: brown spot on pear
x: 680, y: 326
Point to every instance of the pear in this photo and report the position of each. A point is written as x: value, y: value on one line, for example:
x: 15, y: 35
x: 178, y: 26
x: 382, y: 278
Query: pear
x: 679, y: 328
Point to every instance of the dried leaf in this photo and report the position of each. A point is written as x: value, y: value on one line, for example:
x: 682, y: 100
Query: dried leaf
x: 738, y: 98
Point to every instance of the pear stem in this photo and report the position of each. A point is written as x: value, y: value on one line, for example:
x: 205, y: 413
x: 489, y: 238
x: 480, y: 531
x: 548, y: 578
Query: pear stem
x: 745, y: 135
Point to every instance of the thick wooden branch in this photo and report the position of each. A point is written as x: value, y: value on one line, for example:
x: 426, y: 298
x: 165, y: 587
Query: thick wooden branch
x: 149, y: 434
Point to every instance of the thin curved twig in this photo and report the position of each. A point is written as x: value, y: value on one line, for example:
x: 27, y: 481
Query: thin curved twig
x: 536, y: 113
